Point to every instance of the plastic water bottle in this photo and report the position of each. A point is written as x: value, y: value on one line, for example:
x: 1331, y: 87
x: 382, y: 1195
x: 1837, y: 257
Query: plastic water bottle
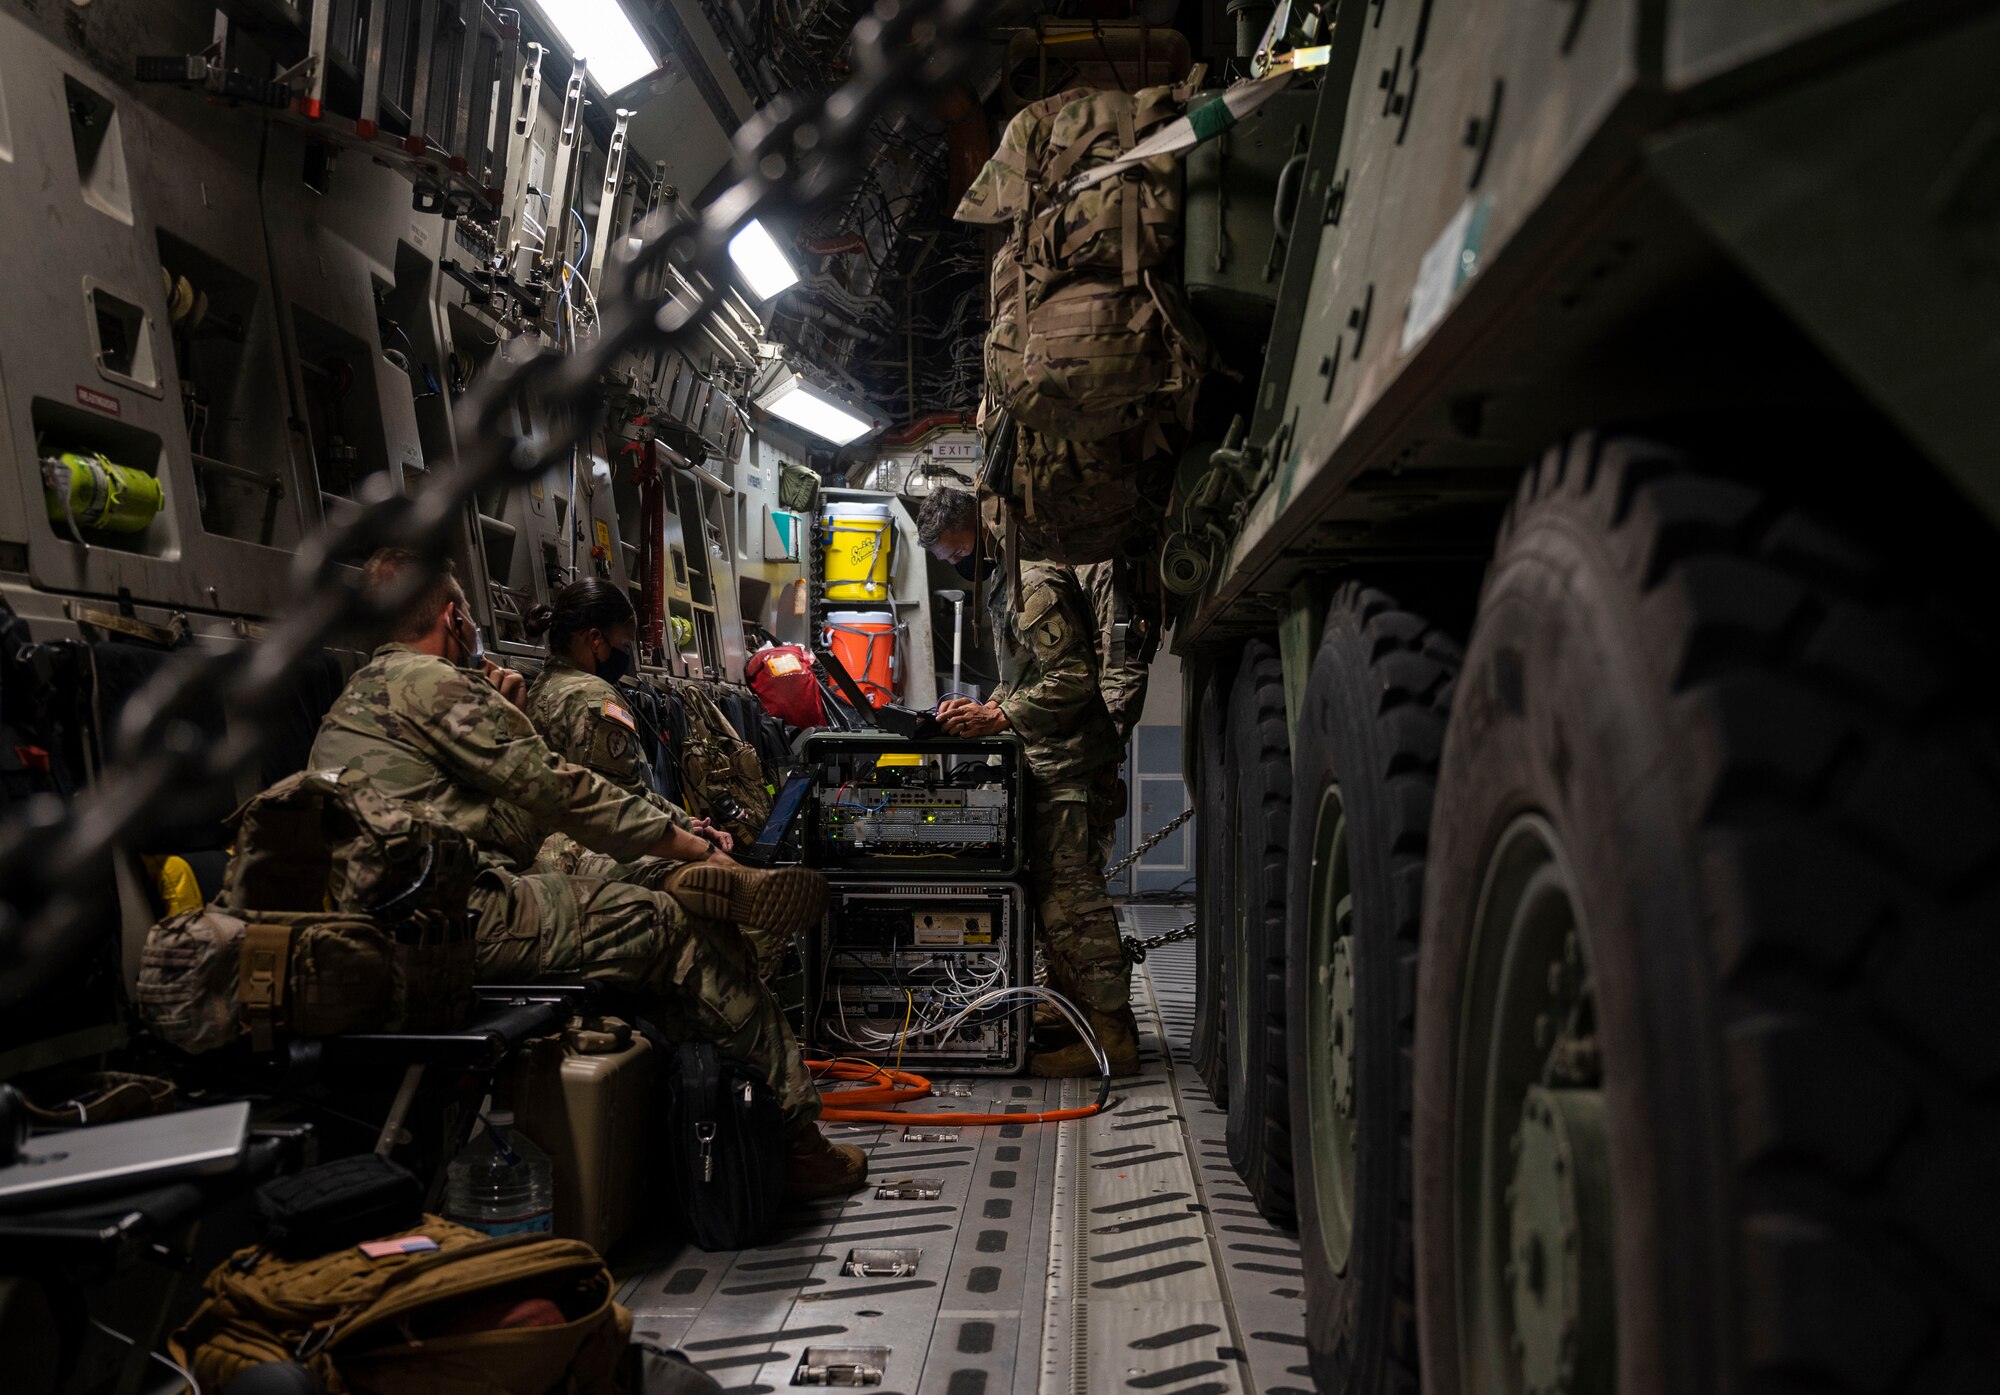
x: 501, y: 1182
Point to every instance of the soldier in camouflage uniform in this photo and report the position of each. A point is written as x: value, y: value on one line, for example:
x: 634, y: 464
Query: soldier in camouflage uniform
x: 576, y: 707
x: 423, y: 725
x: 1050, y: 697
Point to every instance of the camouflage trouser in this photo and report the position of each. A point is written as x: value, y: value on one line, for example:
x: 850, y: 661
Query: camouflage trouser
x: 564, y: 854
x: 1107, y: 805
x: 1079, y: 932
x: 696, y: 978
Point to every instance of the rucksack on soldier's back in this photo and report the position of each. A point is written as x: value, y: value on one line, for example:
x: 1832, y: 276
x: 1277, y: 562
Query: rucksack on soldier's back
x: 448, y: 1312
x: 342, y: 910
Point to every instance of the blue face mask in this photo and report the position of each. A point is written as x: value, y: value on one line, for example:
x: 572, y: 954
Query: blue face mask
x: 474, y: 656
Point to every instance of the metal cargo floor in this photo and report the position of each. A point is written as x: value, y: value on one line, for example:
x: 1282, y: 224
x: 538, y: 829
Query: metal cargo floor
x: 1119, y: 1252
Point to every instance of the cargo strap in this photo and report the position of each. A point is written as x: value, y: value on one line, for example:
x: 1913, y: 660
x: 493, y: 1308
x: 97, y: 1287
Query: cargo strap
x: 260, y: 986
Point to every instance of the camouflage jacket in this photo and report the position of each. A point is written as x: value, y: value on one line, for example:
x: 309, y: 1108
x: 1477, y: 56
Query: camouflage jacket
x: 1120, y: 679
x: 423, y: 729
x: 587, y: 723
x: 1050, y: 693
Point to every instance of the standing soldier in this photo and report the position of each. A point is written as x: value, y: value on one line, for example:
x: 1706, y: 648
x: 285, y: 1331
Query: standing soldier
x: 430, y: 719
x: 1050, y: 698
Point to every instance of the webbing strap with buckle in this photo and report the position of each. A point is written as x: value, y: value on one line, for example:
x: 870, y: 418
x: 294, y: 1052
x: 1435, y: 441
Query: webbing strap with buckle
x: 260, y: 988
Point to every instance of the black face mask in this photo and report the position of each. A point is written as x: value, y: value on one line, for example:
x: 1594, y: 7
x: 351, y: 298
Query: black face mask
x: 615, y: 666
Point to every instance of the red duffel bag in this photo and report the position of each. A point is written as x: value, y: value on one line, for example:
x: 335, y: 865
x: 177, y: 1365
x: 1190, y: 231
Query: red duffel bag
x: 782, y: 677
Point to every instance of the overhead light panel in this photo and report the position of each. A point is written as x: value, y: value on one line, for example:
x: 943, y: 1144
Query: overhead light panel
x: 765, y: 267
x: 601, y: 33
x: 797, y: 401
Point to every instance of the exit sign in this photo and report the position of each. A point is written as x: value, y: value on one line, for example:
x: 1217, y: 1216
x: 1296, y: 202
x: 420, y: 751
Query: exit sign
x: 955, y: 450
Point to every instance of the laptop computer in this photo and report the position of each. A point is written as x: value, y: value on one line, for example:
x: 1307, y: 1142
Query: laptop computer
x: 132, y: 1154
x: 784, y: 809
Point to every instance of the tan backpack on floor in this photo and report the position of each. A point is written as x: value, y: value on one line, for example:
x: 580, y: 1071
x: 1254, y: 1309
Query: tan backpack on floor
x: 416, y: 1324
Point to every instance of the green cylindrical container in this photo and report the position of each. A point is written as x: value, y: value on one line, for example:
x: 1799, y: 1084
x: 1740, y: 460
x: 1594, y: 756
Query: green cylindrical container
x: 98, y: 494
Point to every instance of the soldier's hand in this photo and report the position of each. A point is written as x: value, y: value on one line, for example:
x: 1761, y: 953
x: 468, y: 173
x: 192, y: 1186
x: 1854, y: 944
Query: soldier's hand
x: 975, y: 719
x: 512, y: 685
x: 704, y: 828
x: 951, y: 704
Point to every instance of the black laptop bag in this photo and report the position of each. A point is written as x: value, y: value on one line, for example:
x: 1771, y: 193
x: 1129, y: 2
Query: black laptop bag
x: 725, y: 1147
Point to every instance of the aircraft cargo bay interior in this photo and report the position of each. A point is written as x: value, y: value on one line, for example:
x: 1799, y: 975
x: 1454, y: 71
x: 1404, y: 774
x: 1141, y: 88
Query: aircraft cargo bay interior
x: 999, y: 697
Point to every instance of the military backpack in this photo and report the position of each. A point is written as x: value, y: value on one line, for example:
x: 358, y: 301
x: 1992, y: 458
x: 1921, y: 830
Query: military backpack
x: 342, y: 910
x: 469, y: 1315
x: 723, y: 777
x: 1093, y: 351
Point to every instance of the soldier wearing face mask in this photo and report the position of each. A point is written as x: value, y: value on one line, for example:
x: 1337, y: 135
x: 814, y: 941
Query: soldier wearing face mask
x: 574, y: 702
x: 576, y: 706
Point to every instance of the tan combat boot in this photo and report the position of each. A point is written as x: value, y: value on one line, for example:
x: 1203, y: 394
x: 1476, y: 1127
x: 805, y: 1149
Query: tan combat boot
x: 781, y: 900
x: 816, y: 1166
x: 1117, y: 1032
x: 1052, y: 1026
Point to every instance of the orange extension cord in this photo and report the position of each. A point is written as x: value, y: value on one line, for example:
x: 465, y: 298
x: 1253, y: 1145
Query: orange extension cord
x: 893, y: 1087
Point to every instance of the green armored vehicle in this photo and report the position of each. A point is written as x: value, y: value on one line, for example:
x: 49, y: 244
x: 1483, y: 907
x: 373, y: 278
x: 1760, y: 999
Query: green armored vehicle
x: 1594, y: 723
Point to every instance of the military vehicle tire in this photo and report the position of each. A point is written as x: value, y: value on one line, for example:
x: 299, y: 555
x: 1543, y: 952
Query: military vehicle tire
x: 1259, y: 1132
x: 1215, y: 913
x: 1705, y: 1075
x: 1370, y: 730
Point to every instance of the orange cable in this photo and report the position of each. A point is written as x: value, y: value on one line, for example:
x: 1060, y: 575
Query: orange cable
x: 903, y: 1087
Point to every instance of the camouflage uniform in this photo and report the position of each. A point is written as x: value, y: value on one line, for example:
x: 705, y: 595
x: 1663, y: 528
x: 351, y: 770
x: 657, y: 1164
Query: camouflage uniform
x: 423, y: 729
x: 586, y: 723
x: 1052, y: 701
x: 1120, y: 678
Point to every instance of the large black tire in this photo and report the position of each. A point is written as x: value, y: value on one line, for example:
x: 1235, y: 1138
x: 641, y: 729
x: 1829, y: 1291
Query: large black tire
x: 1370, y: 730
x: 1214, y: 880
x: 1259, y: 1133
x: 1771, y: 777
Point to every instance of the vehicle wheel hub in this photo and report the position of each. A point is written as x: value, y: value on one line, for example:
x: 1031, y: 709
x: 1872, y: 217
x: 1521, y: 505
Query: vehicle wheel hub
x: 1558, y: 1272
x: 1340, y: 987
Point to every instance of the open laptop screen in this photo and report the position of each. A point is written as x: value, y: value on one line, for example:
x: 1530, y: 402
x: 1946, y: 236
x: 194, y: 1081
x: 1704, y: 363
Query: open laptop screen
x: 784, y: 809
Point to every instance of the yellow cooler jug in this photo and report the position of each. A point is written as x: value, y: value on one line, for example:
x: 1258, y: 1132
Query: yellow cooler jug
x: 857, y: 542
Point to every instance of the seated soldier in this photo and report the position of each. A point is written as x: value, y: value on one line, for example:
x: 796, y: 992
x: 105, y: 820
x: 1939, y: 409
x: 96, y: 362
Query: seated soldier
x: 430, y: 718
x: 577, y: 708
